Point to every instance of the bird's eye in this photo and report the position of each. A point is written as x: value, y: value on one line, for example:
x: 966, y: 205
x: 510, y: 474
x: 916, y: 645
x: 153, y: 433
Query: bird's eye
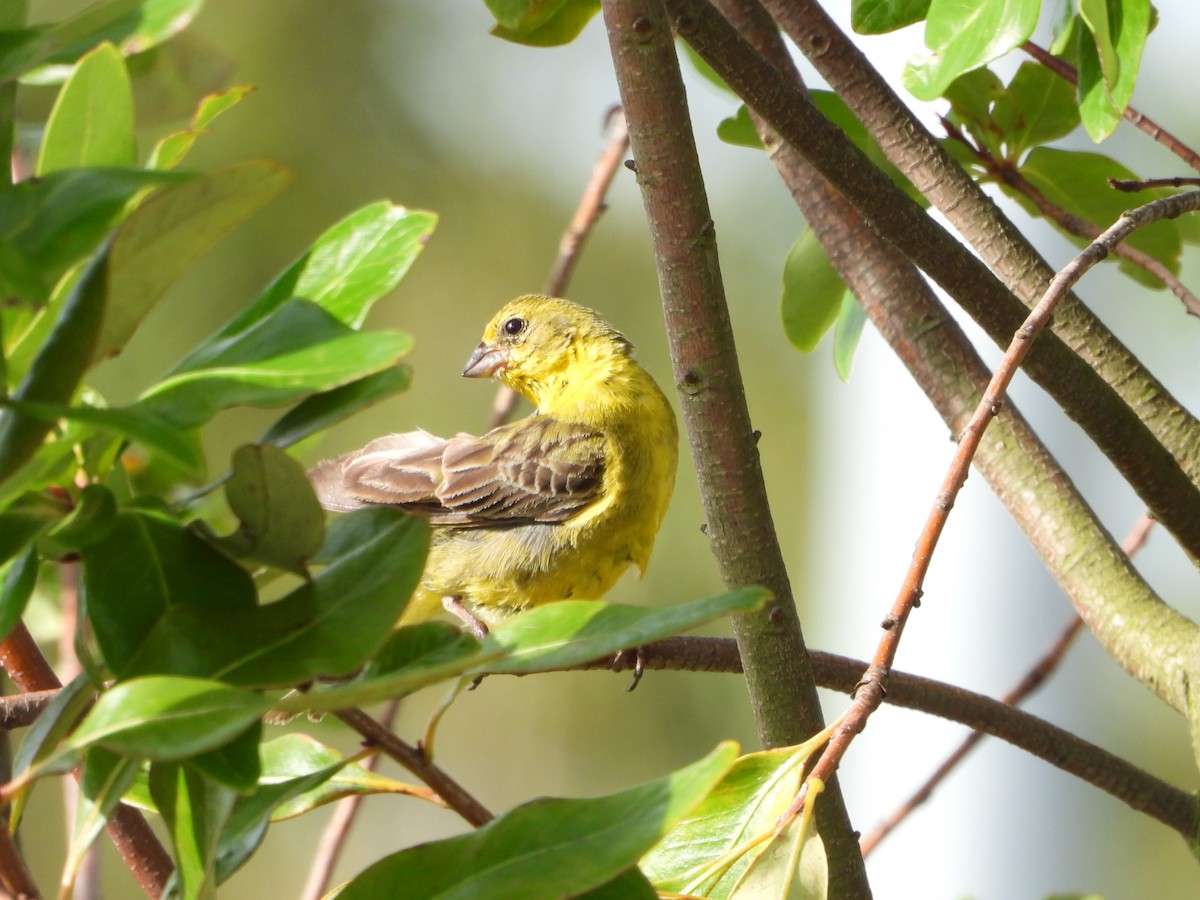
x: 515, y: 325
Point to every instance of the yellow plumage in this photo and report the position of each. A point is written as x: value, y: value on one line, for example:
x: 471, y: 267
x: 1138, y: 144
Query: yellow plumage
x: 553, y: 507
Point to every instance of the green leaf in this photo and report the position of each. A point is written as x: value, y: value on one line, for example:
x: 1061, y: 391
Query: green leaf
x: 92, y: 120
x: 750, y: 798
x: 138, y: 580
x: 51, y: 727
x: 517, y: 14
x: 1039, y: 108
x: 50, y: 223
x: 292, y: 761
x: 290, y: 766
x: 170, y: 151
x: 549, y: 848
x: 739, y: 130
x: 21, y: 523
x: 298, y: 350
x: 235, y: 765
x: 1078, y: 183
x: 629, y: 885
x: 971, y: 97
x: 94, y: 513
x: 166, y: 718
x: 20, y: 578
x: 882, y: 16
x: 561, y: 27
x: 58, y: 367
x: 415, y: 656
x: 965, y: 36
x: 134, y: 423
x: 846, y: 333
x: 572, y: 632
x: 319, y: 411
x: 133, y: 25
x: 281, y: 522
x: 334, y: 623
x: 162, y: 238
x: 344, y: 272
x: 162, y: 600
x: 105, y: 778
x: 195, y: 811
x: 812, y: 293
x: 1109, y: 60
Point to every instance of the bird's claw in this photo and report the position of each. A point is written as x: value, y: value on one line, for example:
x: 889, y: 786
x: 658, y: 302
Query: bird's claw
x: 639, y: 664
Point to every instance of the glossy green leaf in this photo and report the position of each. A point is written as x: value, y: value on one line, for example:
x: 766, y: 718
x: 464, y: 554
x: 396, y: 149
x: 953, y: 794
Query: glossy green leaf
x: 1037, y: 108
x: 549, y: 848
x: 344, y: 272
x: 413, y: 657
x: 846, y: 333
x: 964, y: 36
x: 290, y: 767
x: 94, y: 513
x: 1110, y: 54
x: 748, y: 801
x: 293, y: 760
x: 187, y: 609
x: 22, y: 522
x: 170, y: 150
x: 50, y: 728
x: 971, y: 97
x: 882, y: 16
x: 333, y: 624
x: 162, y: 238
x: 138, y: 581
x: 164, y: 717
x: 105, y: 778
x: 739, y: 130
x: 48, y: 224
x: 562, y: 27
x: 235, y: 765
x: 16, y: 587
x: 133, y: 25
x: 195, y: 810
x: 629, y: 885
x: 571, y: 632
x: 92, y: 120
x: 812, y: 293
x: 318, y: 412
x: 281, y: 522
x: 298, y: 350
x: 1078, y: 183
x: 517, y: 14
x: 136, y: 424
x: 58, y: 367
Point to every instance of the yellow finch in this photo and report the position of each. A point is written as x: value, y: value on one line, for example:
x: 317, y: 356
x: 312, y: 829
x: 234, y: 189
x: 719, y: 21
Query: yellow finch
x: 552, y: 507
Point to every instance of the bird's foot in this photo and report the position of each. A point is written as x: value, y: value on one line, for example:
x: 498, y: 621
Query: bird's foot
x: 621, y: 661
x: 475, y: 625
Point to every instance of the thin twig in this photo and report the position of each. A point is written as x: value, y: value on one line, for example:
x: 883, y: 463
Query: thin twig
x: 454, y: 794
x: 1030, y: 682
x: 587, y: 214
x: 139, y: 847
x: 1076, y: 225
x: 1066, y: 72
x: 1131, y: 186
x: 873, y: 685
x: 333, y: 838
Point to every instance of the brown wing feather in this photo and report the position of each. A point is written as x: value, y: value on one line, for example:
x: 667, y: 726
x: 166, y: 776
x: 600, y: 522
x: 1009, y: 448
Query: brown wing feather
x: 536, y: 470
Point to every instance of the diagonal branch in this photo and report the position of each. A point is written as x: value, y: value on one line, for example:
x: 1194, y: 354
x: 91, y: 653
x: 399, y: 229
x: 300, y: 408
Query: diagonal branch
x: 1174, y: 685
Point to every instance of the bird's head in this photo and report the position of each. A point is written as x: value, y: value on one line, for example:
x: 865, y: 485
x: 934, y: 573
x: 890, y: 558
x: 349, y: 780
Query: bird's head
x: 536, y: 342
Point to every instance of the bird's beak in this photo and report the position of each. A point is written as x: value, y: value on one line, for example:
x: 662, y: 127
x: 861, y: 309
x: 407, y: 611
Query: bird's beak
x: 486, y: 361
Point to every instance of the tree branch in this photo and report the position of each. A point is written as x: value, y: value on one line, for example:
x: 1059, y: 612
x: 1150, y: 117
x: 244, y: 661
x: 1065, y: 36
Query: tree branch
x: 716, y: 419
x: 136, y: 842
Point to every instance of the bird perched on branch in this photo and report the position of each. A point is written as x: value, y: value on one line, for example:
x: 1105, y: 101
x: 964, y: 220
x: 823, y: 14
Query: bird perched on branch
x: 553, y: 507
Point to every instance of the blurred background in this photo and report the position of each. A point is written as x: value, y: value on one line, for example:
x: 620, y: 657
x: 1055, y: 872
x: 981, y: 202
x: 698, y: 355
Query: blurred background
x: 416, y: 103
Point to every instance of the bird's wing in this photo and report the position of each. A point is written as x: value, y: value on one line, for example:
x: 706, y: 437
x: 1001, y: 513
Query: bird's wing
x: 535, y: 470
